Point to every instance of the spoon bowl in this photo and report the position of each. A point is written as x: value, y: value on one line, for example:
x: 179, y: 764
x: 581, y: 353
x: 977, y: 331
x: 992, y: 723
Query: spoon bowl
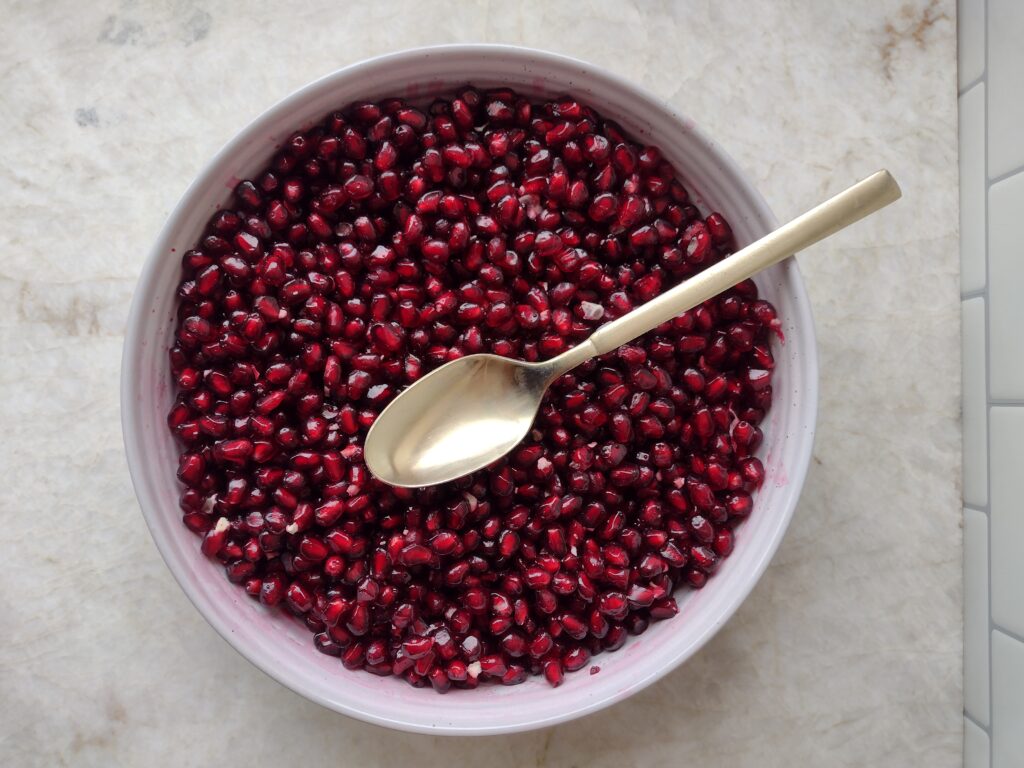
x: 480, y: 407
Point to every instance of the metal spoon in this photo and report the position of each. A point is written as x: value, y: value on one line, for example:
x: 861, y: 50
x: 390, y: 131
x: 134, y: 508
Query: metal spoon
x: 474, y: 410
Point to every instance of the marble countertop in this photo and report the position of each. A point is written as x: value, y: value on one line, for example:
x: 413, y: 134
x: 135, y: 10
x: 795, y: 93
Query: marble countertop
x: 848, y: 653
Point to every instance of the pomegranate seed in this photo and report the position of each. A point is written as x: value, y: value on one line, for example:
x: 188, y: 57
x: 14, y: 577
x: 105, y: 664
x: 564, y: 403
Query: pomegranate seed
x: 576, y: 658
x: 718, y: 228
x: 553, y: 672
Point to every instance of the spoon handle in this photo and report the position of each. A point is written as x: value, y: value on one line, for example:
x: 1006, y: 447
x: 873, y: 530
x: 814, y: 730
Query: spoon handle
x: 851, y: 205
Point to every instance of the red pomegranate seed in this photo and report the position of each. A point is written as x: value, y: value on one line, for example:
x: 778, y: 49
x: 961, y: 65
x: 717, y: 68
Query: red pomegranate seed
x: 553, y: 672
x: 493, y: 665
x: 719, y: 229
x: 576, y: 658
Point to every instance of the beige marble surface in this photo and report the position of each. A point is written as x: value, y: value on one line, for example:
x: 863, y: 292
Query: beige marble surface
x: 848, y: 653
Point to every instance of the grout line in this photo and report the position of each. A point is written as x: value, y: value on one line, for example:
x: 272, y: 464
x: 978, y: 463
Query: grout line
x: 967, y: 716
x: 975, y: 294
x: 1002, y: 176
x: 988, y: 391
x: 980, y: 78
x: 1009, y: 633
x: 983, y: 509
x: 1005, y: 401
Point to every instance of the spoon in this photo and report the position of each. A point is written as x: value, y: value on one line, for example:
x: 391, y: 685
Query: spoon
x: 473, y: 410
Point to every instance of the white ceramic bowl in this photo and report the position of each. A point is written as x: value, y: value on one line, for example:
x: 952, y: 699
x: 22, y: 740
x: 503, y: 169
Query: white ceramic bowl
x: 283, y: 648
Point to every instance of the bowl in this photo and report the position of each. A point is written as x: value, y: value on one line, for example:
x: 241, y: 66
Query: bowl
x: 282, y: 647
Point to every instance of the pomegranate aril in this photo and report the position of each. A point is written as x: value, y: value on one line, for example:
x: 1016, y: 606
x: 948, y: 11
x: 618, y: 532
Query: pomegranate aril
x: 718, y: 228
x: 553, y: 672
x: 493, y: 665
x: 576, y: 658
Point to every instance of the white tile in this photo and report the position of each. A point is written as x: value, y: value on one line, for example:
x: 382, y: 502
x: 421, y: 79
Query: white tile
x: 1006, y: 280
x: 972, y: 189
x: 970, y: 40
x: 975, y: 427
x: 1007, y: 701
x: 1007, y: 518
x: 1005, y: 71
x: 975, y: 746
x: 976, y: 675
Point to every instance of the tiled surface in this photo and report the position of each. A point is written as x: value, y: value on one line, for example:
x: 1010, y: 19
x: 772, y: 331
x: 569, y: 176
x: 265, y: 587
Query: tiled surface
x: 970, y: 40
x: 976, y: 615
x: 991, y: 81
x: 1006, y: 267
x: 972, y: 189
x: 976, y: 746
x: 975, y: 408
x: 1007, y: 553
x: 1007, y: 701
x: 1005, y: 102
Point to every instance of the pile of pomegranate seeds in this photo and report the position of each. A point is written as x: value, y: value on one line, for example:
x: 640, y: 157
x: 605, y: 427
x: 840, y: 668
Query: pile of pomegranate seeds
x: 387, y: 241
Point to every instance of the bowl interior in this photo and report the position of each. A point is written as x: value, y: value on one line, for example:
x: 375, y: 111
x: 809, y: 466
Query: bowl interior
x: 282, y: 647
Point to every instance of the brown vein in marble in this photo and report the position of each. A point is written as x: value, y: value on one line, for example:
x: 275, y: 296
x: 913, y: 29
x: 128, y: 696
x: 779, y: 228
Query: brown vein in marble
x: 912, y: 27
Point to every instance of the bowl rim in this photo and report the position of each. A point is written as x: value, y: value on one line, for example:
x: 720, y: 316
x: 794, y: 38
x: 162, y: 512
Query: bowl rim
x: 256, y: 129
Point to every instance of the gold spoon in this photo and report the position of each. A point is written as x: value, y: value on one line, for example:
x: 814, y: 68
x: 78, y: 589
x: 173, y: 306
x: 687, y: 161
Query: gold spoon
x: 474, y: 410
